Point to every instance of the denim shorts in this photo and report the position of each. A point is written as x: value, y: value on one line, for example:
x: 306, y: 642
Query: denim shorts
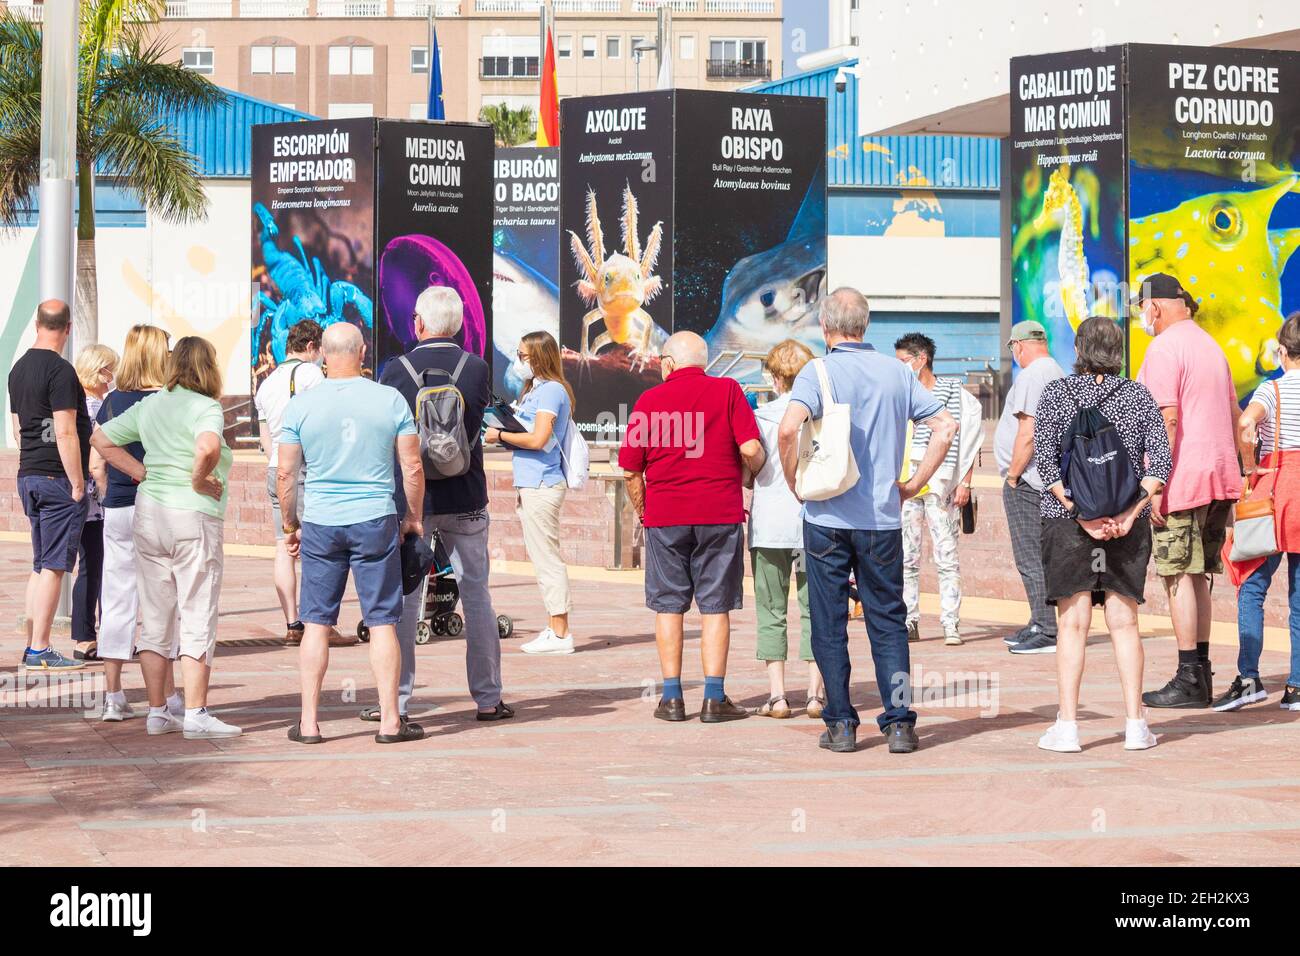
x: 705, y: 562
x: 56, y: 521
x: 371, y: 550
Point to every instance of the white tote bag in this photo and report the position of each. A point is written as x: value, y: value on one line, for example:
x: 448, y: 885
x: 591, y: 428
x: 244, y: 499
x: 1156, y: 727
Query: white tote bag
x: 575, y: 458
x: 826, y: 465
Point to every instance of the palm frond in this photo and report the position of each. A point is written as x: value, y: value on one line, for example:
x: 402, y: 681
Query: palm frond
x: 140, y: 73
x: 149, y: 161
x: 104, y: 23
x: 20, y: 170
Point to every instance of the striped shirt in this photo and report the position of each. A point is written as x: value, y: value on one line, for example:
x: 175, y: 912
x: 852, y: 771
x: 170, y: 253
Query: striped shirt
x: 1289, y: 386
x: 948, y: 391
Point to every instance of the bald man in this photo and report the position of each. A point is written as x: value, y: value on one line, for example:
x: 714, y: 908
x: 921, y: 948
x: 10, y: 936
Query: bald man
x: 346, y: 430
x: 52, y: 428
x: 691, y: 445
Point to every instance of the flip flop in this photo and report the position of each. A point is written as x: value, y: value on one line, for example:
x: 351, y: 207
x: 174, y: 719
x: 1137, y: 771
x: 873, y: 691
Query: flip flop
x: 296, y: 735
x: 407, y: 732
x: 502, y: 711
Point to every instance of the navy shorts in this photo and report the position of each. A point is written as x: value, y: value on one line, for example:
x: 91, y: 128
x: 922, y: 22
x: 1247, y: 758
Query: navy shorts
x: 704, y: 561
x: 56, y: 521
x: 370, y: 549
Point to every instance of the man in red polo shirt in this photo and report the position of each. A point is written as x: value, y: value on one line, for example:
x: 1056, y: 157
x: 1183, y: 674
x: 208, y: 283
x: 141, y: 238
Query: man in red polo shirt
x: 691, y: 444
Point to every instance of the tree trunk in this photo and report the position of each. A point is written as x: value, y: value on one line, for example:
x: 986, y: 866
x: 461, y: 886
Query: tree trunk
x: 85, y: 322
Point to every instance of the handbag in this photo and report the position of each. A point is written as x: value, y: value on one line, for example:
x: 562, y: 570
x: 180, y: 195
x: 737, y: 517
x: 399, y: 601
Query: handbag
x: 826, y: 466
x: 1254, y: 532
x: 969, y: 514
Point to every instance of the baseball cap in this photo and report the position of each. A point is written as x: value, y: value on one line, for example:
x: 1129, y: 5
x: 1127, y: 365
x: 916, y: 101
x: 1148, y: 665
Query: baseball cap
x: 417, y: 559
x: 1027, y: 331
x: 1162, y: 286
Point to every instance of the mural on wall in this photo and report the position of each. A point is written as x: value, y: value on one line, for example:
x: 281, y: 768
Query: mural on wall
x: 1214, y: 175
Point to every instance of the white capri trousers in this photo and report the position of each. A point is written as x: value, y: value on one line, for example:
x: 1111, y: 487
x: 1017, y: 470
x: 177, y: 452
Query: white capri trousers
x: 179, y: 564
x: 539, y: 513
x: 119, y: 605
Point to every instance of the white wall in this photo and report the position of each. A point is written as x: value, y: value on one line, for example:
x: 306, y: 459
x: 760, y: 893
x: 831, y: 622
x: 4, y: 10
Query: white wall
x: 931, y: 273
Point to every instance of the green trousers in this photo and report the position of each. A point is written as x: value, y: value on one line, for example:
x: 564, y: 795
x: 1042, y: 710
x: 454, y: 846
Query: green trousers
x: 772, y: 568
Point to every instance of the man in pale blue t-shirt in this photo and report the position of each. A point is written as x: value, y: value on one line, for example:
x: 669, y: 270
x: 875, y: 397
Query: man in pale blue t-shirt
x: 859, y: 532
x: 345, y: 430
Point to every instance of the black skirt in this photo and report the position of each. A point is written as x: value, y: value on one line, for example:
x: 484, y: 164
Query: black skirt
x: 1074, y: 562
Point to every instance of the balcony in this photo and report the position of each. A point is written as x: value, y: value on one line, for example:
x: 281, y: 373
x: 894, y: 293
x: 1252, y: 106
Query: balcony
x: 588, y: 6
x: 509, y: 68
x: 198, y: 9
x: 32, y: 11
x: 677, y: 6
x: 506, y: 6
x: 740, y: 6
x: 351, y: 8
x: 739, y: 69
x: 420, y: 8
x: 272, y: 9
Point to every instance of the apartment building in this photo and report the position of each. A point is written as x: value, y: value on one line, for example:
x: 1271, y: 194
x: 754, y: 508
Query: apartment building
x: 341, y: 58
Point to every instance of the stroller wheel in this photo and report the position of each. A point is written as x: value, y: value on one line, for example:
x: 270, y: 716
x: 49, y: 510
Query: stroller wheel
x: 363, y: 632
x: 439, y: 626
x: 455, y: 624
x: 505, y: 625
x: 423, y: 633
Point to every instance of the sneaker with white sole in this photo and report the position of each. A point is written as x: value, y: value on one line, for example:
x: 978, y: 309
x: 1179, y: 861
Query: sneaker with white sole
x: 1137, y: 735
x: 115, y: 711
x: 1242, y: 691
x: 548, y: 642
x: 205, y: 725
x: 163, y: 723
x: 952, y: 637
x: 1062, y: 737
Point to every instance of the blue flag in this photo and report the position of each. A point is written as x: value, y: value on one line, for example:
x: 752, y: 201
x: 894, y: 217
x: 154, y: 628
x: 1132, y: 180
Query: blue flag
x: 436, y: 110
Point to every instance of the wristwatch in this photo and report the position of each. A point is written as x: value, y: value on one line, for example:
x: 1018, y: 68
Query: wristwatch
x: 288, y: 530
x: 1013, y: 479
x: 1073, y: 511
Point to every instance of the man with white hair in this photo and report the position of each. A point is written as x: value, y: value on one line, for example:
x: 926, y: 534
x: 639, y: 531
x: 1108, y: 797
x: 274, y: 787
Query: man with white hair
x: 690, y: 445
x: 456, y: 507
x: 859, y: 532
x: 347, y: 430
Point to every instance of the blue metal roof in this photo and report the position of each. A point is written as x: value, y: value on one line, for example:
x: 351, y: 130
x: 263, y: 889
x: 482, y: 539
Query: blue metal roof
x: 221, y: 138
x: 933, y: 162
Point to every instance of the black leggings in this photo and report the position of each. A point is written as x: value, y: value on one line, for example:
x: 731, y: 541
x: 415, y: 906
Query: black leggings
x: 85, y: 591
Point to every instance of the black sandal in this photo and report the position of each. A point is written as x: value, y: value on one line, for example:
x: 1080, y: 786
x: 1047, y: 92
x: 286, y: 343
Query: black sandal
x: 407, y: 732
x: 502, y: 711
x: 296, y: 735
x: 91, y: 653
x: 371, y: 714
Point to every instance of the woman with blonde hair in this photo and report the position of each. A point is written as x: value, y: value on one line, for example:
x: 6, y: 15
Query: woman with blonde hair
x: 95, y: 365
x: 179, y: 526
x: 776, y: 544
x: 546, y: 406
x: 141, y: 372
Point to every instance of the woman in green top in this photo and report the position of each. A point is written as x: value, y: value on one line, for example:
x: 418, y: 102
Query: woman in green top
x: 179, y: 528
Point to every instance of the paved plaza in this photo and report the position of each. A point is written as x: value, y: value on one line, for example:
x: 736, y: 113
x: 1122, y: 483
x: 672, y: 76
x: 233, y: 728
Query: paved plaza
x: 584, y: 775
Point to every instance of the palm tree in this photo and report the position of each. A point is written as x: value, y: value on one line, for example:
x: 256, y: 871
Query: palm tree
x: 512, y: 127
x: 125, y: 87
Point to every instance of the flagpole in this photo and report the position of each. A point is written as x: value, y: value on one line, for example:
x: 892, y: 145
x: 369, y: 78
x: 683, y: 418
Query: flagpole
x: 433, y: 32
x: 543, y: 15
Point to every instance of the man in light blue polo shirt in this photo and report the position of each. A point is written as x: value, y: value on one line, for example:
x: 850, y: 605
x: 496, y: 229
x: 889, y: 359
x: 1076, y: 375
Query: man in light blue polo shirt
x: 346, y: 429
x: 859, y: 532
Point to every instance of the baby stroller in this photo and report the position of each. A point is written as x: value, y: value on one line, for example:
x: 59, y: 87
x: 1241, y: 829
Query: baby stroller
x: 439, y: 594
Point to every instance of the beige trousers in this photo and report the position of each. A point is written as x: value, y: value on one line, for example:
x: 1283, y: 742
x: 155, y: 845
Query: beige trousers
x: 539, y: 512
x: 178, y: 560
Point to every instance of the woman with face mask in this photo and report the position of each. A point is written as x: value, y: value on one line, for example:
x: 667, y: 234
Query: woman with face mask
x: 95, y: 365
x: 545, y: 406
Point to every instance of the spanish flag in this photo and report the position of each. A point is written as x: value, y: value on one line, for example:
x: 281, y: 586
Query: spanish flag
x: 548, y: 106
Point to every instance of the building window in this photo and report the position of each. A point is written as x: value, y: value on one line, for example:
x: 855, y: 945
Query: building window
x: 510, y: 57
x: 261, y: 59
x: 352, y: 61
x: 351, y: 110
x: 198, y: 59
x: 613, y: 48
x: 589, y: 48
x: 731, y: 58
x: 419, y: 111
x: 564, y: 47
x: 686, y: 46
x: 286, y: 59
x: 419, y: 59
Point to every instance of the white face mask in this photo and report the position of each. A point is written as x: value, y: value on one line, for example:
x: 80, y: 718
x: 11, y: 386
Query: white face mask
x: 524, y: 370
x: 1148, y: 323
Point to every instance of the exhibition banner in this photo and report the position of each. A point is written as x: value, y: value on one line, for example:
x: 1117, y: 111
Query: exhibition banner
x: 525, y: 256
x: 1067, y: 229
x: 1213, y: 157
x: 433, y: 228
x: 313, y: 254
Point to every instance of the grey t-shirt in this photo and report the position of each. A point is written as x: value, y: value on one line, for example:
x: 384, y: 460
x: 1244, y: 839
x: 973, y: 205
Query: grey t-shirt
x: 1023, y: 399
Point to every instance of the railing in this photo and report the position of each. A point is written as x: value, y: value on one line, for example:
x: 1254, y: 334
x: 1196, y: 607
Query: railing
x: 198, y: 9
x: 588, y: 6
x: 506, y: 6
x: 677, y: 6
x: 509, y: 68
x: 740, y: 6
x: 740, y: 69
x: 351, y: 8
x: 32, y: 11
x: 273, y: 9
x: 420, y: 8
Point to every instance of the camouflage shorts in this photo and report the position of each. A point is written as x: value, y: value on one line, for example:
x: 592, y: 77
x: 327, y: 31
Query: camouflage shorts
x: 1191, y: 541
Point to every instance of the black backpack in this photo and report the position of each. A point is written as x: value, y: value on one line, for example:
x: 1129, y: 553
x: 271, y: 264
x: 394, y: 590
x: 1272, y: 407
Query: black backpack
x: 1095, y: 465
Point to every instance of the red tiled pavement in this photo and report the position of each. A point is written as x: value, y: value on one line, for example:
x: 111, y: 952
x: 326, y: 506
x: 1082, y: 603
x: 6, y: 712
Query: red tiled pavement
x: 584, y: 775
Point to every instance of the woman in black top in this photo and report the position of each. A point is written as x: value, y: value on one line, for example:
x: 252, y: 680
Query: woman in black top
x: 1101, y: 561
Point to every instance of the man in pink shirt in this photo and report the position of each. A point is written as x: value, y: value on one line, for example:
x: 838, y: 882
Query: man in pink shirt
x: 1188, y: 375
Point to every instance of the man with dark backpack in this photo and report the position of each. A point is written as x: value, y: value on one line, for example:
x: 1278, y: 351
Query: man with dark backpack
x: 447, y: 389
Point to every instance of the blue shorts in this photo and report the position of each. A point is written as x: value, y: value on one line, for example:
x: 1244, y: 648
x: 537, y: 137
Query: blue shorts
x: 371, y: 550
x: 56, y: 521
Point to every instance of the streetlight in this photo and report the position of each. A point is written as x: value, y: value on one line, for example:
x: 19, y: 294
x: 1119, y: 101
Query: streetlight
x: 639, y: 51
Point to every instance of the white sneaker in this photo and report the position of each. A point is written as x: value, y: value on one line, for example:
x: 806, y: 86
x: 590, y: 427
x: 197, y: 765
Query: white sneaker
x: 548, y: 642
x: 115, y: 711
x: 1138, y: 736
x: 952, y: 637
x: 206, y: 726
x: 1062, y: 737
x: 164, y: 723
